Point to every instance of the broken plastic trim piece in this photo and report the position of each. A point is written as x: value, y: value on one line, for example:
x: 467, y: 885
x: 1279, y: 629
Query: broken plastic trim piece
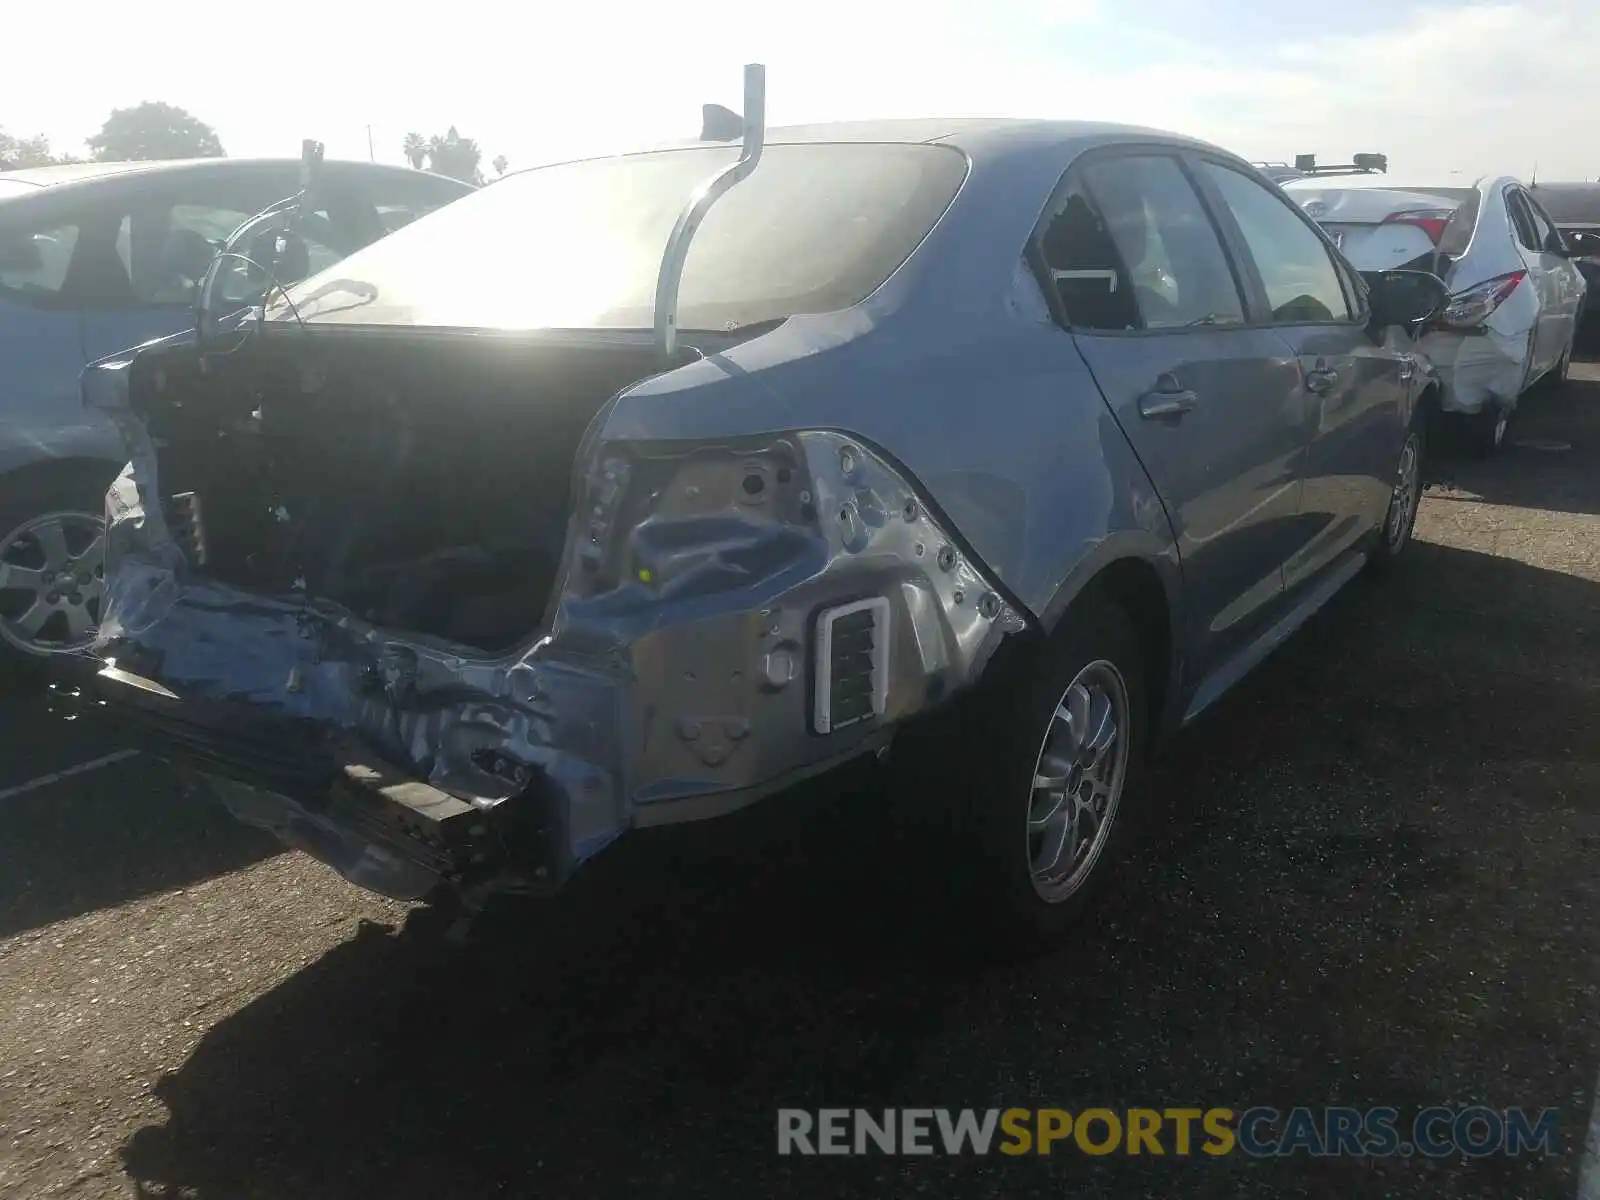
x: 677, y: 251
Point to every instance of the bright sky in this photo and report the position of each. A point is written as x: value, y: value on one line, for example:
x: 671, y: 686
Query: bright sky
x: 1469, y: 87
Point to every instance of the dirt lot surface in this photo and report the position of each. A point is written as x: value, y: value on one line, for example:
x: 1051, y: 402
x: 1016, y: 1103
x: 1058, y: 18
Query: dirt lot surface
x: 1375, y: 884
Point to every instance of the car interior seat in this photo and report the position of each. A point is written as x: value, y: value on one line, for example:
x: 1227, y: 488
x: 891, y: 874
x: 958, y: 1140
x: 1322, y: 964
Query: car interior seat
x: 294, y: 263
x: 185, y: 259
x: 1086, y: 269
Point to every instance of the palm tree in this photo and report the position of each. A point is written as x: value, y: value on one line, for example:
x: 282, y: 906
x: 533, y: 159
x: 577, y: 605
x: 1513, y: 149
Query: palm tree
x: 416, y: 149
x: 455, y: 156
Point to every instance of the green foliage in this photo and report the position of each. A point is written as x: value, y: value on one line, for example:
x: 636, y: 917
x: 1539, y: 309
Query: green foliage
x: 153, y: 130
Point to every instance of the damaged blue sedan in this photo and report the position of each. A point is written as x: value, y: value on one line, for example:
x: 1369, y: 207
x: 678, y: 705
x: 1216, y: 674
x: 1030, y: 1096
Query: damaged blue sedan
x: 629, y: 491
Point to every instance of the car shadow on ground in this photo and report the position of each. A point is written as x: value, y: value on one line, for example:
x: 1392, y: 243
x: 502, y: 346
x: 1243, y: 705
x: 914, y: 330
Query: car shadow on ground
x: 1369, y: 882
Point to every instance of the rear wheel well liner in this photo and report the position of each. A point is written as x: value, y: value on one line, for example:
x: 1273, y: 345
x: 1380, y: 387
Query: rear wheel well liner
x: 31, y: 476
x: 1134, y: 586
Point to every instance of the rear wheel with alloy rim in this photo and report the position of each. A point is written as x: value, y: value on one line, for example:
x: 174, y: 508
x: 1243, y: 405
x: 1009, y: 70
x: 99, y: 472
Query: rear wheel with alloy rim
x: 1404, y: 500
x: 1038, y: 774
x: 1077, y: 781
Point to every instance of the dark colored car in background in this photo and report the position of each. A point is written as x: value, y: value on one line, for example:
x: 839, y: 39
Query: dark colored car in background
x: 97, y: 257
x: 1575, y: 209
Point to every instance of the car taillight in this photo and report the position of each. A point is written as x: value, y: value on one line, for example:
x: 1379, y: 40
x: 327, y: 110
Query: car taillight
x: 1471, y: 308
x: 1430, y: 220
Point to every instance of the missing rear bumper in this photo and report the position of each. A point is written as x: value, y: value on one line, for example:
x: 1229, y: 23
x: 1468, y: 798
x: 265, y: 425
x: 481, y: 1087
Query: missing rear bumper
x: 380, y: 827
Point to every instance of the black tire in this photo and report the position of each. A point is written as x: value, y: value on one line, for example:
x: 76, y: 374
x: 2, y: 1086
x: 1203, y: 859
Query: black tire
x: 984, y: 773
x: 74, y: 489
x: 1487, y: 430
x: 1394, y: 535
x: 1556, y: 377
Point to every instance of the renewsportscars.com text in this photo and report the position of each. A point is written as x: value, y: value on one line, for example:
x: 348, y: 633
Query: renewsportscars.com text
x: 1259, y: 1132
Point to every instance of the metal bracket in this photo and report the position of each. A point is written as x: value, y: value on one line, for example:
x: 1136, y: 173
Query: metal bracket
x: 288, y: 210
x: 677, y: 251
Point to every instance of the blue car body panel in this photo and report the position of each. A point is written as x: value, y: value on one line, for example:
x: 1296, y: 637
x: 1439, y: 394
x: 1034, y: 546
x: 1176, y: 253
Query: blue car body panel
x: 974, y: 466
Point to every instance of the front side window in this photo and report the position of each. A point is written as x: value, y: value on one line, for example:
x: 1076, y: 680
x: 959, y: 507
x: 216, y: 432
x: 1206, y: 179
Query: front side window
x: 1522, y: 221
x: 167, y: 249
x: 1296, y: 268
x: 1131, y: 247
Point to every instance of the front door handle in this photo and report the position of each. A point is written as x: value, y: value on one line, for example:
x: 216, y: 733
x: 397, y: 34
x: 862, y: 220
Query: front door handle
x: 1169, y: 400
x: 1323, y: 379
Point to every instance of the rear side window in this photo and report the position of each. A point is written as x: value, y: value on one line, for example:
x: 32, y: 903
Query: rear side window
x: 1131, y: 247
x: 35, y: 263
x: 1296, y: 267
x: 1543, y: 227
x: 1522, y: 220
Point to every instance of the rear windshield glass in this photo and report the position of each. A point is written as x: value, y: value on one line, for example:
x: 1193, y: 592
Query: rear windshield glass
x: 815, y: 228
x: 1449, y: 193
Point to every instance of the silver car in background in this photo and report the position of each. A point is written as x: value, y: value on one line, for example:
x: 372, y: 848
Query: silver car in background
x: 1516, y: 294
x: 96, y: 257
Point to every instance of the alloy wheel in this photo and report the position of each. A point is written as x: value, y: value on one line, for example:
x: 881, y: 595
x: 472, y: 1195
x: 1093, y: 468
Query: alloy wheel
x: 1407, y: 491
x: 52, y: 575
x: 1078, y: 779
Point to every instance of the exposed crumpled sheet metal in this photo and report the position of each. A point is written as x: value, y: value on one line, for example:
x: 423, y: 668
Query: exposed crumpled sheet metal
x: 643, y: 702
x: 1477, y: 370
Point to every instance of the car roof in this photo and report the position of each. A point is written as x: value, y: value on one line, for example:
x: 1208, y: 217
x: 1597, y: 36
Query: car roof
x: 75, y: 175
x: 975, y: 136
x: 1401, y: 183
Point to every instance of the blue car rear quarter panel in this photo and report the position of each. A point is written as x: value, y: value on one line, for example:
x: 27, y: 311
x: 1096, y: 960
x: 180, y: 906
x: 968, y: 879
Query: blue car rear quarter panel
x: 988, y: 408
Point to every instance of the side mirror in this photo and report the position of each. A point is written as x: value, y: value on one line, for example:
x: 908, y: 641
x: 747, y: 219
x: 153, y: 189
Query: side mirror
x: 1405, y: 297
x: 1582, y: 244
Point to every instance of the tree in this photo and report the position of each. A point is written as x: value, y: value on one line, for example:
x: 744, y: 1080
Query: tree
x: 500, y: 164
x: 33, y: 151
x: 416, y: 149
x: 455, y: 156
x: 152, y: 131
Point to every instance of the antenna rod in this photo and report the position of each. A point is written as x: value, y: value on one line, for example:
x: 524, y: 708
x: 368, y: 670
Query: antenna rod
x: 677, y: 251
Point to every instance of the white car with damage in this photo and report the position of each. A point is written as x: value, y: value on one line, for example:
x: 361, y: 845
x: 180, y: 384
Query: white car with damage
x: 1516, y: 294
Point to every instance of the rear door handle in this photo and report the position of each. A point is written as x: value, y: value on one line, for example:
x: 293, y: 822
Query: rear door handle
x: 1169, y: 400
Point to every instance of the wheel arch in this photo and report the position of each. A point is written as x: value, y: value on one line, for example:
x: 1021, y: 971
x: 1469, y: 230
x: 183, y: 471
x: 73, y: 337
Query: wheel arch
x: 32, y: 477
x: 1142, y: 580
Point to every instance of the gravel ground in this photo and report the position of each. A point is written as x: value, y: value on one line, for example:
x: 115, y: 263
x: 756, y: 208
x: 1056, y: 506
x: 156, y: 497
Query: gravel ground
x: 1374, y: 884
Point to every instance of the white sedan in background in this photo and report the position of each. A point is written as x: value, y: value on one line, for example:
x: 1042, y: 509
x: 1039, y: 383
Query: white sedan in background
x: 1515, y: 292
